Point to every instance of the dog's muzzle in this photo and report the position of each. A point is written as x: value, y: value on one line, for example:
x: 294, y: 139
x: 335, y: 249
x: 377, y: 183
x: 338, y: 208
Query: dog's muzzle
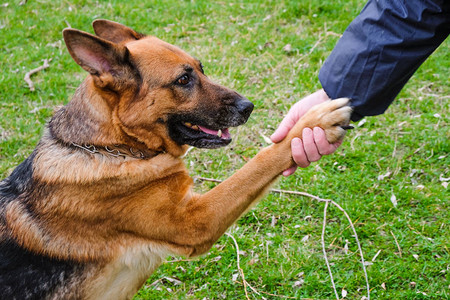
x: 209, y: 128
x: 244, y: 108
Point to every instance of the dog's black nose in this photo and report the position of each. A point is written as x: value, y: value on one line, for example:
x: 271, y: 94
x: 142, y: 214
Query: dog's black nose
x: 244, y: 107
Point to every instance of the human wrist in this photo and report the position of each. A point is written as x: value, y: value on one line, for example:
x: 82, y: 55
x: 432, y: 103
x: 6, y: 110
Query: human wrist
x: 313, y: 99
x: 322, y: 95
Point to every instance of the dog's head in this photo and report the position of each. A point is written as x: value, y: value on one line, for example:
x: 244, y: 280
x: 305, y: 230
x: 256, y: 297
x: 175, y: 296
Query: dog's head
x: 156, y: 93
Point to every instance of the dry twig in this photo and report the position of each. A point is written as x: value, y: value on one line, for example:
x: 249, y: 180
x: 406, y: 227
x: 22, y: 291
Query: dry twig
x: 241, y: 272
x: 357, y: 242
x: 396, y: 242
x: 327, y: 201
x: 27, y: 77
x: 324, y: 225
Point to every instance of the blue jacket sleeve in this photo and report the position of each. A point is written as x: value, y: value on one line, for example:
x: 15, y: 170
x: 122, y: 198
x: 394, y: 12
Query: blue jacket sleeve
x: 381, y: 49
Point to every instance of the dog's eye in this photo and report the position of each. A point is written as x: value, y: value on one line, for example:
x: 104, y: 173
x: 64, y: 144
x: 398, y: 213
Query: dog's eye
x: 183, y: 80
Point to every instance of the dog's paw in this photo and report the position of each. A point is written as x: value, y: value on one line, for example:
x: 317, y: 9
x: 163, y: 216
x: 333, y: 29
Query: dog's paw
x: 332, y: 116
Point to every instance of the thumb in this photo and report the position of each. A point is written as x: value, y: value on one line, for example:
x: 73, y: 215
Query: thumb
x: 283, y: 129
x: 280, y: 133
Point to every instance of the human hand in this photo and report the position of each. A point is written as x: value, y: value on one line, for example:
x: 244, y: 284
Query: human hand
x: 314, y: 143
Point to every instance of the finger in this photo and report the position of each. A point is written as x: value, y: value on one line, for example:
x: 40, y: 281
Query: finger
x: 283, y: 129
x: 310, y: 147
x: 323, y: 146
x: 289, y: 171
x: 280, y: 133
x: 298, y: 153
x: 338, y: 143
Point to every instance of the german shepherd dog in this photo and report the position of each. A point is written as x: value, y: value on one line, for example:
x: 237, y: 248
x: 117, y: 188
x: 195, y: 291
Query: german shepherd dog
x: 105, y: 196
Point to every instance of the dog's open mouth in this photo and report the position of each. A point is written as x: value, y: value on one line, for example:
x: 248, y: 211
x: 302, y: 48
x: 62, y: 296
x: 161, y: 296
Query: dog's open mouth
x: 222, y: 133
x: 205, y: 128
x: 199, y: 136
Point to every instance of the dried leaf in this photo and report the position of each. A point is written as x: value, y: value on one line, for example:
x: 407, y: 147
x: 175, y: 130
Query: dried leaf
x: 376, y: 255
x: 235, y: 277
x: 381, y: 177
x: 57, y: 44
x: 298, y: 283
x: 442, y: 178
x: 305, y: 238
x: 274, y: 221
x: 423, y: 293
x: 362, y: 122
x: 401, y: 124
x: 394, y: 200
x: 173, y: 280
x: 268, y: 45
x: 416, y: 257
x: 4, y: 134
x: 342, y: 168
x: 383, y: 286
x: 344, y: 293
x: 266, y: 138
x: 287, y: 48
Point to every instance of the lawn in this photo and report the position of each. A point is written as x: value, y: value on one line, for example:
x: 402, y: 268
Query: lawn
x: 390, y: 175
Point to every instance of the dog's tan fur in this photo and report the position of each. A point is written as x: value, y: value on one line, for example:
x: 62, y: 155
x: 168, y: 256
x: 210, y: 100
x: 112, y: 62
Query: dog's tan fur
x: 119, y: 217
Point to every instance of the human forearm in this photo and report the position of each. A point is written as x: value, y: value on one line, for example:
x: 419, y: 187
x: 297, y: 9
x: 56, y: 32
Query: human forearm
x: 381, y: 50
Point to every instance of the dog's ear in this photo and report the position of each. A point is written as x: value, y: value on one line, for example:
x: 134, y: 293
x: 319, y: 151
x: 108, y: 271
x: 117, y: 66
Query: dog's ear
x: 115, y: 32
x: 101, y: 58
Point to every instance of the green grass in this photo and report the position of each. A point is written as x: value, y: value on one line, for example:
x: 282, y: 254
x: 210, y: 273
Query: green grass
x: 241, y: 46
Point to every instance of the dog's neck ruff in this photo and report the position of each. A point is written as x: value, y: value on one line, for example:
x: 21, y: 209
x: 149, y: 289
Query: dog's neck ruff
x: 118, y: 151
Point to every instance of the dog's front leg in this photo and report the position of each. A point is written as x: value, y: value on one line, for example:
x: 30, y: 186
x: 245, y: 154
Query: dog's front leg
x: 209, y: 215
x: 225, y: 203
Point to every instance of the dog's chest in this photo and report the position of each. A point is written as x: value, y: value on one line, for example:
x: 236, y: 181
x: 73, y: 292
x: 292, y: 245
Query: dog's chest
x: 122, y: 278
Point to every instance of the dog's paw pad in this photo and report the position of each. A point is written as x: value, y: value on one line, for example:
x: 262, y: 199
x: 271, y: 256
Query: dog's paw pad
x: 332, y: 116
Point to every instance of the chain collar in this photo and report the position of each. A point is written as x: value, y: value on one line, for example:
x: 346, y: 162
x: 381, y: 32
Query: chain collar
x: 117, y: 151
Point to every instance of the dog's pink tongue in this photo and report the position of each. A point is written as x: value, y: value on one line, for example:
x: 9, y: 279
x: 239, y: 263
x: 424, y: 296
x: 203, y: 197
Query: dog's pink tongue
x: 225, y: 132
x: 208, y: 131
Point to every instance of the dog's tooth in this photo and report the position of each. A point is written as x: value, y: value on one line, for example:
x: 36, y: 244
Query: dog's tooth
x: 188, y: 124
x: 219, y: 133
x: 195, y: 127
